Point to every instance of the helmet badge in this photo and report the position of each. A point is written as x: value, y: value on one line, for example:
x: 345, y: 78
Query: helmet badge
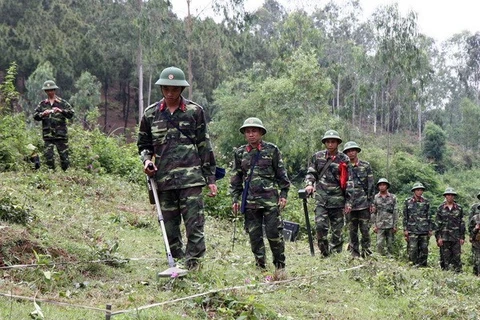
x: 170, y: 76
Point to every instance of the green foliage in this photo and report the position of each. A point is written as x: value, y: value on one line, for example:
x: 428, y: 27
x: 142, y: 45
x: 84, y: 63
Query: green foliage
x: 469, y: 133
x: 87, y: 97
x: 97, y: 153
x: 13, y: 212
x: 14, y: 139
x: 434, y: 146
x: 8, y: 92
x: 45, y: 71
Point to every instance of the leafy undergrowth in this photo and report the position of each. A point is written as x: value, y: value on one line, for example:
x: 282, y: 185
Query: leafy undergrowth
x: 95, y: 241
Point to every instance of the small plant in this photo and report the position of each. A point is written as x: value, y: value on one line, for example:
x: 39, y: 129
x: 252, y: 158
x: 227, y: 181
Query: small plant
x: 11, y: 211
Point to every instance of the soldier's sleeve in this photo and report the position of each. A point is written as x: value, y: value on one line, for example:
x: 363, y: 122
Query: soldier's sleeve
x: 405, y: 214
x: 395, y: 211
x: 462, y: 225
x: 281, y: 174
x: 438, y: 224
x: 312, y: 174
x: 37, y: 114
x: 430, y: 217
x: 204, y: 147
x: 371, y: 184
x: 471, y: 227
x: 67, y: 110
x: 145, y: 141
x: 236, y: 181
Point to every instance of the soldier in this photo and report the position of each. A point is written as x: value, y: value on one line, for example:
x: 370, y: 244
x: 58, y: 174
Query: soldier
x: 258, y: 170
x: 359, y: 205
x: 173, y: 138
x: 417, y: 225
x: 450, y: 231
x: 474, y: 231
x: 385, y: 216
x: 54, y: 112
x: 328, y: 176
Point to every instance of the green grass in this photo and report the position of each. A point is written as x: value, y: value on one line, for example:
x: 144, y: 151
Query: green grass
x: 80, y: 218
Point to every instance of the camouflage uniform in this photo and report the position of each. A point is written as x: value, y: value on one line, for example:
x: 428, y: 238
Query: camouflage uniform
x: 475, y: 211
x: 450, y: 227
x: 362, y: 188
x: 183, y: 169
x: 417, y: 220
x: 330, y: 198
x: 475, y: 240
x: 385, y: 219
x: 261, y: 203
x: 54, y: 130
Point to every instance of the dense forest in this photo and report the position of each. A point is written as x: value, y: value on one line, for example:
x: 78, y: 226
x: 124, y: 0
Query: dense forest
x: 380, y: 82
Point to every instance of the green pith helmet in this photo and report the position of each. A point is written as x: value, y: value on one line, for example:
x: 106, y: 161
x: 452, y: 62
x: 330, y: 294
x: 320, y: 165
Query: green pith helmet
x: 331, y: 134
x: 172, y: 76
x: 49, y: 85
x: 417, y: 185
x: 351, y: 145
x: 383, y: 180
x: 253, y: 122
x: 449, y: 190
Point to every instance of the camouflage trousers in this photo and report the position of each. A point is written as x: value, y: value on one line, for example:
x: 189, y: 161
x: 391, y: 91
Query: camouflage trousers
x: 418, y: 249
x: 62, y: 148
x: 476, y: 258
x: 450, y: 253
x: 385, y: 237
x: 270, y: 218
x: 359, y: 220
x: 187, y: 204
x: 325, y: 219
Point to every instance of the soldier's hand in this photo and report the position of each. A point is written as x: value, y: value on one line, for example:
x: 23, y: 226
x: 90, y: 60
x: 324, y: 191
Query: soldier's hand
x: 394, y: 230
x: 462, y: 241
x: 309, y: 190
x: 282, y: 202
x: 46, y: 112
x: 375, y: 229
x: 440, y: 242
x: 405, y: 234
x: 213, y: 190
x: 56, y: 110
x: 149, y: 168
x: 348, y: 209
x: 235, y: 208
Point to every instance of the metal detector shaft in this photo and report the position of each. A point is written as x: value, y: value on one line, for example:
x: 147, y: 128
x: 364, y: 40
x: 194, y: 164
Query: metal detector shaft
x: 309, y: 229
x: 153, y: 184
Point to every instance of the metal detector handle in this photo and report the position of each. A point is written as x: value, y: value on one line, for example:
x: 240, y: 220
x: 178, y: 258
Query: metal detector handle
x: 153, y: 184
x: 303, y: 195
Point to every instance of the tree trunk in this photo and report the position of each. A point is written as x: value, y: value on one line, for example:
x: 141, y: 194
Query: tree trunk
x: 140, y: 69
x: 375, y: 112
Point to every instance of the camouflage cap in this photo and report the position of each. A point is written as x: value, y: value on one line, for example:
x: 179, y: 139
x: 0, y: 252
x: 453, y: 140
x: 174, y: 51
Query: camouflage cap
x: 449, y: 190
x: 331, y: 134
x: 351, y: 145
x: 417, y: 185
x: 49, y: 85
x: 253, y: 122
x: 383, y: 180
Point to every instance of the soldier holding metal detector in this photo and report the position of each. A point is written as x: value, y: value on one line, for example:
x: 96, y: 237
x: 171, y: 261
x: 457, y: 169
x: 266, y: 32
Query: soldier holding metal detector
x: 175, y: 149
x: 258, y: 170
x: 327, y: 176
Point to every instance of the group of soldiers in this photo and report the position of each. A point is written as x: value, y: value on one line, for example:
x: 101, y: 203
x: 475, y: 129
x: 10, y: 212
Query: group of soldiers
x: 175, y: 148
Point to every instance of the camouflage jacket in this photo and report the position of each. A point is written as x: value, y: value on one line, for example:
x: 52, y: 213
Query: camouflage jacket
x: 268, y: 174
x: 330, y: 189
x: 449, y: 224
x: 474, y: 234
x: 54, y: 125
x: 360, y: 181
x: 475, y: 209
x: 417, y: 218
x: 180, y: 162
x: 386, y: 211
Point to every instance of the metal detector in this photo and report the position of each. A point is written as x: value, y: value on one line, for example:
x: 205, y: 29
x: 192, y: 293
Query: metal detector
x: 173, y: 271
x: 302, y: 194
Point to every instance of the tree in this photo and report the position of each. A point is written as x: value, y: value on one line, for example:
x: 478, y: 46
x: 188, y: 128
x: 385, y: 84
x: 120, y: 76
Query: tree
x: 434, y: 146
x: 8, y: 93
x: 87, y: 98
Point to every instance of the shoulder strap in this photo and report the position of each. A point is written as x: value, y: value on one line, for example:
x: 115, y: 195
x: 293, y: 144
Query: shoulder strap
x: 169, y: 119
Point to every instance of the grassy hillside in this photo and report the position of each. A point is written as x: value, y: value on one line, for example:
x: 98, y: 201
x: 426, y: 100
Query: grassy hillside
x: 96, y: 241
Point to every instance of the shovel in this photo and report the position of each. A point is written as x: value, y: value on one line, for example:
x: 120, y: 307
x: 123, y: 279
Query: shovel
x: 173, y: 271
